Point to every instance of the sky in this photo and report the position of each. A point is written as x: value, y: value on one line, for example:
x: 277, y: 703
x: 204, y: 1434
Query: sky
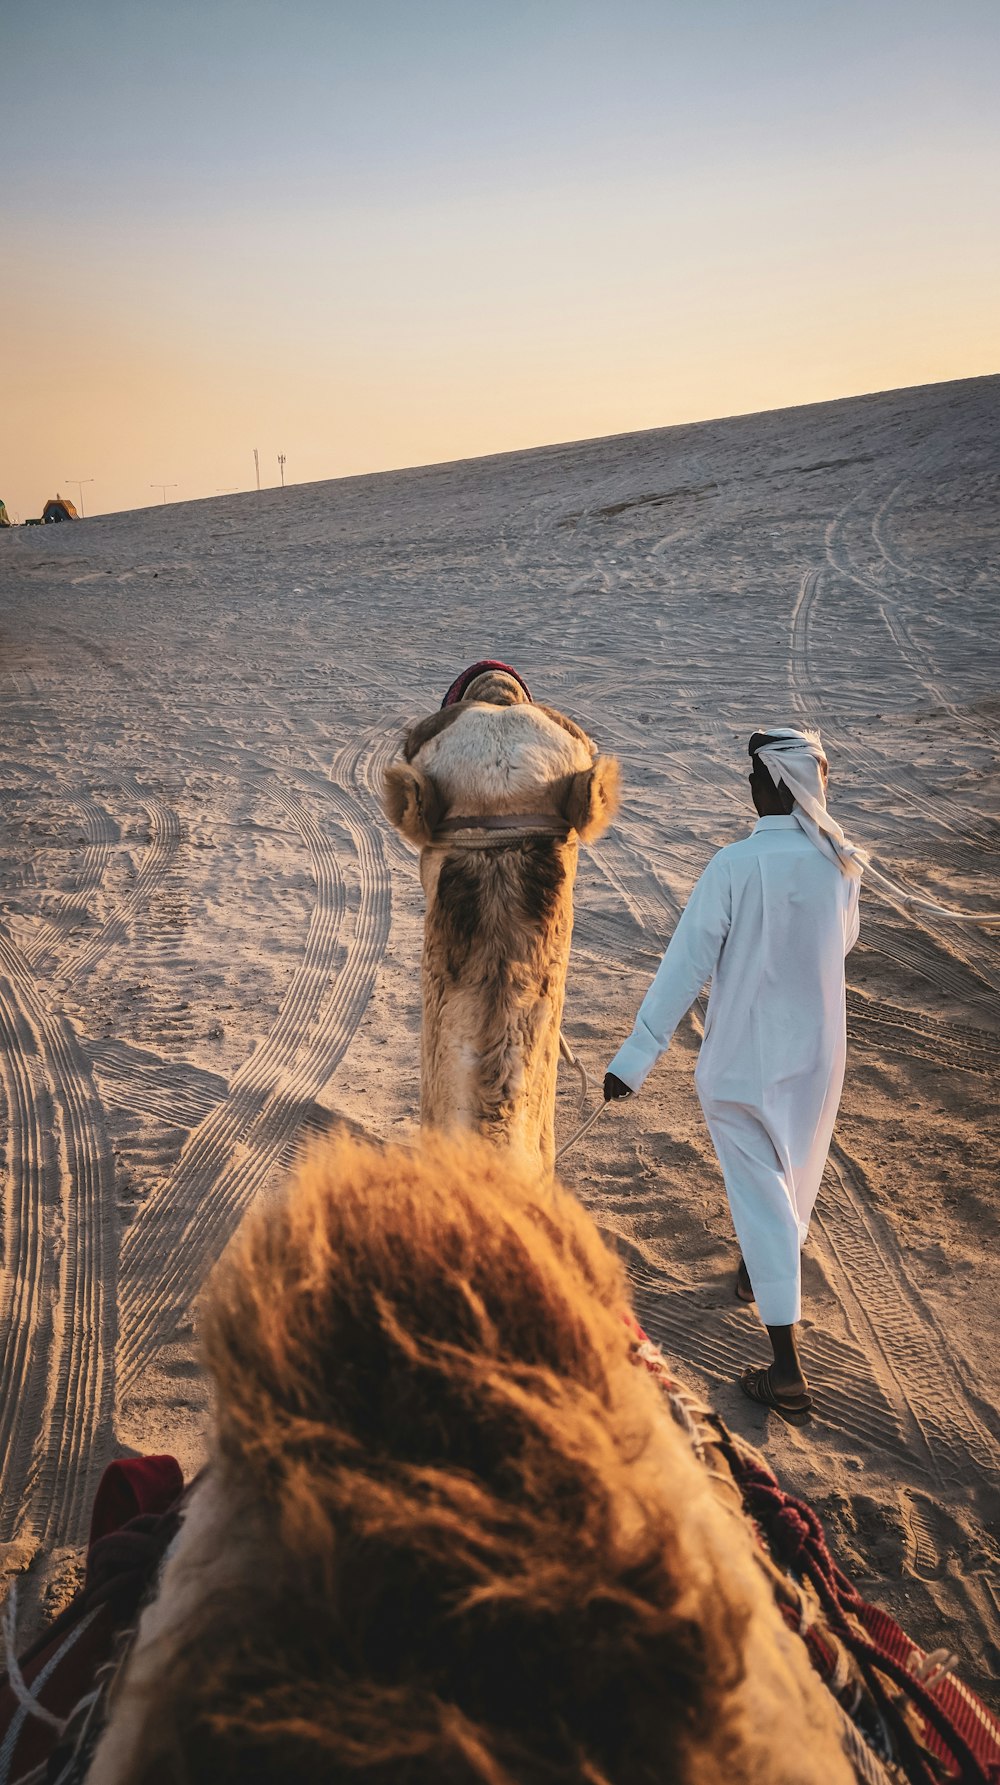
x: 376, y: 233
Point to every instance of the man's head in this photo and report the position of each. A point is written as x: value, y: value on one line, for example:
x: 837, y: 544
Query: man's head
x: 771, y: 799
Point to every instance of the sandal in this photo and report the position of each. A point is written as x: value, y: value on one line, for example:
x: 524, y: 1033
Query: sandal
x: 756, y: 1385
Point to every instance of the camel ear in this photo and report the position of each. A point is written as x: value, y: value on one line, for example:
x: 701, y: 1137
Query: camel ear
x: 412, y: 802
x: 592, y: 798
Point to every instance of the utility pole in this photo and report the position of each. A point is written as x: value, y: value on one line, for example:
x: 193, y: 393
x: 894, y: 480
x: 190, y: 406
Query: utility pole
x: 79, y: 481
x: 164, y: 487
x: 256, y: 466
x: 281, y: 463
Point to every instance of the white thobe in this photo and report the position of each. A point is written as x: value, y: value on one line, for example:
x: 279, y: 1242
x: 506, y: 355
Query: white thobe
x: 770, y: 922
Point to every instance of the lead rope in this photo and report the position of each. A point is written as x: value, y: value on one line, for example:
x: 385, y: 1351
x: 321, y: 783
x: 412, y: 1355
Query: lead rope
x: 915, y: 902
x: 571, y: 1060
x: 29, y: 1704
x: 581, y: 1131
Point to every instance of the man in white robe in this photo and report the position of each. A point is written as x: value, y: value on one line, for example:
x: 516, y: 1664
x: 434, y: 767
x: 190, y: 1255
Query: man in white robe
x: 769, y: 922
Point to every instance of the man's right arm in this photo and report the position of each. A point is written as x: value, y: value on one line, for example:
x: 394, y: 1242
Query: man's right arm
x: 690, y: 960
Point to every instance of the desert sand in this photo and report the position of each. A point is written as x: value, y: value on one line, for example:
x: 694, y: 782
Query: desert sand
x: 210, y: 938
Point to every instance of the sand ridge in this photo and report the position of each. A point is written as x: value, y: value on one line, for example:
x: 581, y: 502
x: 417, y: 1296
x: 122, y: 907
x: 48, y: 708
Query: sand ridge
x: 210, y: 941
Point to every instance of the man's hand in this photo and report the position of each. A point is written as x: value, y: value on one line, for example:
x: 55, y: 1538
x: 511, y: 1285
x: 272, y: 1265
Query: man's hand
x: 614, y: 1087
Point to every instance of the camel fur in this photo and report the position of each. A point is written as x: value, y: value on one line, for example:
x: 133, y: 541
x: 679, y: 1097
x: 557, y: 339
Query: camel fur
x: 500, y: 915
x: 448, y: 1533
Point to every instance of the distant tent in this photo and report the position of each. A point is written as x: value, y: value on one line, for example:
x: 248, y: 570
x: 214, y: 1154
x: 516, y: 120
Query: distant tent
x: 5, y: 520
x: 59, y: 508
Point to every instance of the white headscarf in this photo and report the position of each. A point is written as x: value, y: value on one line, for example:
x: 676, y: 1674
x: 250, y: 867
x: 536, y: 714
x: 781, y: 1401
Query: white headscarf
x: 797, y: 758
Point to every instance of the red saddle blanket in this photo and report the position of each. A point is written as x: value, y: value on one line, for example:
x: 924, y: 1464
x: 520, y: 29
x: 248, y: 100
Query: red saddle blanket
x: 135, y: 1515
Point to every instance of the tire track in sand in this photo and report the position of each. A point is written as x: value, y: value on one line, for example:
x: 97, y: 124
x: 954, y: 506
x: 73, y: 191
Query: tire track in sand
x: 802, y: 692
x: 946, y: 1422
x: 913, y: 1404
x: 164, y: 838
x: 716, y: 1342
x: 179, y: 1095
x: 68, y: 1383
x: 167, y: 1224
x: 172, y: 1100
x: 888, y: 611
x: 878, y: 532
x: 914, y: 657
x: 196, y: 1212
x: 920, y: 659
x: 100, y: 834
x: 870, y: 1278
x: 29, y: 1274
x: 894, y: 1030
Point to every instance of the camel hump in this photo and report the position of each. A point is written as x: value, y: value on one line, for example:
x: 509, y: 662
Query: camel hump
x: 425, y: 730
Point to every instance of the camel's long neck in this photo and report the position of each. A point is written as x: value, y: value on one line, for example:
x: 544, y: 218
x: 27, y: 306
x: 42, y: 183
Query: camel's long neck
x: 496, y: 950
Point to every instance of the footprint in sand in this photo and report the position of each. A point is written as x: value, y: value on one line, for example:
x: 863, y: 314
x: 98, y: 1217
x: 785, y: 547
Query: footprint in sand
x: 930, y: 1533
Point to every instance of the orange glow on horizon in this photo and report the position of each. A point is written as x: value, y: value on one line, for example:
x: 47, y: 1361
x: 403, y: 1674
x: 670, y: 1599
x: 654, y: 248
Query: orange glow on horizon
x: 530, y: 262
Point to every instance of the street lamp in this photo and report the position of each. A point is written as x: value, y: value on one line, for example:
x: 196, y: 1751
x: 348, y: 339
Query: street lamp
x: 79, y: 481
x: 281, y: 462
x: 164, y: 487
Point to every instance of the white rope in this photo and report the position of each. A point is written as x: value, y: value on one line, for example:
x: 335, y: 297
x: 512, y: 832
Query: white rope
x: 578, y: 1066
x: 581, y: 1131
x: 932, y: 1668
x: 15, y: 1678
x: 913, y: 902
x: 571, y: 1060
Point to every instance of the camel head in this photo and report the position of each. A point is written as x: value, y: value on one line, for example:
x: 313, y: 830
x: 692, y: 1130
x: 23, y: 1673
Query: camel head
x: 500, y: 758
x: 497, y: 798
x: 449, y: 1533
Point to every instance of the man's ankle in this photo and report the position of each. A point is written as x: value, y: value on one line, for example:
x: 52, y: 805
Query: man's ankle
x: 786, y: 1372
x: 787, y: 1384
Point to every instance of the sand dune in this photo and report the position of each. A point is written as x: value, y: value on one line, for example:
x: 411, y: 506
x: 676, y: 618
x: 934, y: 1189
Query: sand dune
x: 210, y: 936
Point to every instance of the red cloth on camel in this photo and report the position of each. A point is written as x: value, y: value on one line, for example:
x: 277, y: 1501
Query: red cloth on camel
x: 135, y: 1516
x: 457, y: 690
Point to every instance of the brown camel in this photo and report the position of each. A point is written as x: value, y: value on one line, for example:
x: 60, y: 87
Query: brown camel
x: 449, y: 1531
x: 497, y: 793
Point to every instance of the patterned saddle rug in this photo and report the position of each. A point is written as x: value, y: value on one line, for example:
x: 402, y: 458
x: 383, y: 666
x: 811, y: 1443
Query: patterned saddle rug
x: 906, y: 1719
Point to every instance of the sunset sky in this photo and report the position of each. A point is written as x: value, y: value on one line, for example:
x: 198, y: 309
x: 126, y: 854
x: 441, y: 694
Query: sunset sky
x: 373, y: 233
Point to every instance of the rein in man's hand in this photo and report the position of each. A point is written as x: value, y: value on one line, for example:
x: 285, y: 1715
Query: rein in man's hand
x: 614, y: 1087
